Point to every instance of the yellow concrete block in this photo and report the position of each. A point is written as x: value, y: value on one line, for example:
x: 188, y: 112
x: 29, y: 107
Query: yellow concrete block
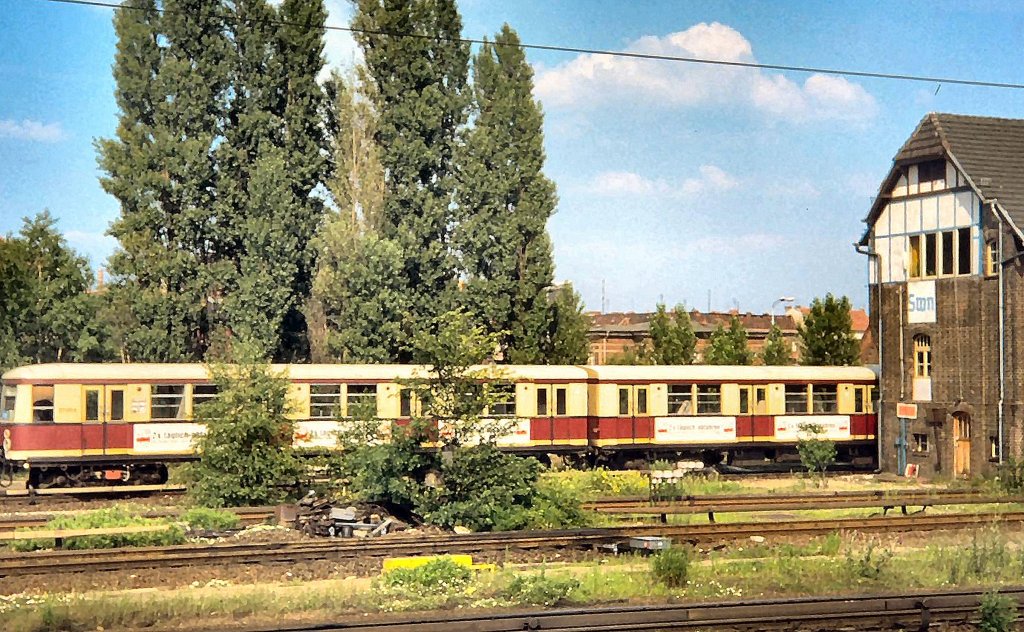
x: 392, y: 563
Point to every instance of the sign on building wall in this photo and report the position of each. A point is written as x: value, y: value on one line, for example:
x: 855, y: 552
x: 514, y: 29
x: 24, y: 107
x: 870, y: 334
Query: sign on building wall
x: 921, y: 304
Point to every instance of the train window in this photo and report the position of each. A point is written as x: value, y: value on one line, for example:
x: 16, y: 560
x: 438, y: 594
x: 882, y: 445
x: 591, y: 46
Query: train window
x: 7, y: 402
x: 824, y: 398
x: 873, y: 398
x: 202, y: 393
x: 324, y: 401
x: 709, y: 399
x: 116, y: 405
x: 405, y: 403
x: 623, y: 401
x: 680, y: 399
x: 560, y: 401
x: 744, y: 400
x: 42, y: 403
x: 922, y: 355
x: 858, y: 400
x: 760, y: 400
x: 92, y: 405
x: 542, y: 401
x: 361, y: 400
x: 796, y: 398
x: 504, y: 402
x: 641, y: 401
x: 166, y: 400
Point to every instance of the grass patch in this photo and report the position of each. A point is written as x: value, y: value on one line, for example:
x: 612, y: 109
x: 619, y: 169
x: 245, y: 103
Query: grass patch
x: 105, y: 518
x: 599, y: 483
x: 210, y: 519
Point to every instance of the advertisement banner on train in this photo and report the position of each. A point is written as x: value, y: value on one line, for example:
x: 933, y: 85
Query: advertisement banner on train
x: 171, y: 438
x: 694, y: 429
x: 834, y: 427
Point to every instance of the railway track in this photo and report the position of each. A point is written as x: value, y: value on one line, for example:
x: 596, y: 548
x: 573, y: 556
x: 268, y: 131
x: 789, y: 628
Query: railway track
x: 916, y: 610
x: 247, y: 515
x: 60, y: 562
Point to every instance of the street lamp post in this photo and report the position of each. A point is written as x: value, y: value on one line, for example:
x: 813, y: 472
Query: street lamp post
x: 781, y: 299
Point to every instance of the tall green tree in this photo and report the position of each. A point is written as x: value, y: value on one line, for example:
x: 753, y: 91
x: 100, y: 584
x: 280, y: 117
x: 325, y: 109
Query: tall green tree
x: 775, y: 351
x: 565, y: 341
x: 826, y: 335
x: 419, y: 92
x: 15, y: 298
x: 505, y: 201
x: 729, y: 346
x: 672, y: 337
x: 171, y: 76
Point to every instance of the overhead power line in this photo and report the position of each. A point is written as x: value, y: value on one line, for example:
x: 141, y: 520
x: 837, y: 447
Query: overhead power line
x: 627, y: 54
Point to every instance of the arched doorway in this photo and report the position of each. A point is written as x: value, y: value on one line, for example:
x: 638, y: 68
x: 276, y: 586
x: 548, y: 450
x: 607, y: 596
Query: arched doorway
x: 961, y: 444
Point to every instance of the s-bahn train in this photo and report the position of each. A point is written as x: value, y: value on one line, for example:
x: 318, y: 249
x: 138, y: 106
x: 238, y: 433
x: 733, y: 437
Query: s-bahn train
x: 81, y: 424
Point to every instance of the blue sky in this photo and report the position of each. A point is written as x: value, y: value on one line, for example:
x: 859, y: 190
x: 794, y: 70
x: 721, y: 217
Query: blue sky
x: 673, y: 179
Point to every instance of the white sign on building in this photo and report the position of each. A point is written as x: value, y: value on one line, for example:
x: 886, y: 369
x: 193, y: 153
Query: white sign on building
x: 921, y: 304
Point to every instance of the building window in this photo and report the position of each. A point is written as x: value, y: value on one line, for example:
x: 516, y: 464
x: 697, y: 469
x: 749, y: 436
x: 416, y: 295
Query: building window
x: 922, y: 356
x: 915, y: 257
x: 963, y: 244
x: 680, y: 399
x: 931, y: 171
x: 796, y: 398
x: 42, y: 403
x: 947, y: 252
x: 991, y: 258
x: 709, y: 399
x: 993, y: 448
x: 920, y: 442
x: 930, y: 255
x: 824, y: 398
x: 324, y: 401
x: 166, y: 401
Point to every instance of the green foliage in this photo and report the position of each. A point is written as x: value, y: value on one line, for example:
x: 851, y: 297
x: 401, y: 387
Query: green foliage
x: 672, y: 337
x: 566, y: 340
x: 504, y: 202
x: 101, y: 519
x: 417, y: 86
x: 775, y: 351
x: 826, y: 335
x: 210, y: 519
x: 1010, y: 476
x: 597, y: 483
x: 437, y: 575
x: 46, y: 313
x: 246, y: 454
x: 672, y: 566
x: 217, y: 154
x: 632, y: 356
x: 729, y: 346
x: 869, y: 563
x: 997, y: 613
x: 816, y: 452
x: 539, y: 590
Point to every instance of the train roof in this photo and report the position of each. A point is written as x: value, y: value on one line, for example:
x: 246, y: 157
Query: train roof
x: 718, y: 373
x: 195, y: 372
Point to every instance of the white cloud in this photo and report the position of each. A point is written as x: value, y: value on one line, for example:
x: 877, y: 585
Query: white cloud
x: 711, y: 179
x: 31, y: 130
x: 590, y: 80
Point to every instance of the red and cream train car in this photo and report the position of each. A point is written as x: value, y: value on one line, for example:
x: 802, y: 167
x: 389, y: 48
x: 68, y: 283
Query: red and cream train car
x: 84, y: 423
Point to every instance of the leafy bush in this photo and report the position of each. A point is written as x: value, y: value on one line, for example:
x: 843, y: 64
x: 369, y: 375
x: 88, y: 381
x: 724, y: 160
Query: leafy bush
x: 870, y: 563
x: 1010, y: 476
x: 672, y: 566
x: 997, y: 613
x: 210, y: 519
x: 101, y: 519
x: 539, y: 590
x: 441, y: 575
x: 816, y: 452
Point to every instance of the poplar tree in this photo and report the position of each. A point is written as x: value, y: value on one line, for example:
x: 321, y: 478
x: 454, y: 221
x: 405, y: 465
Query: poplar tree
x: 417, y: 70
x: 672, y: 337
x: 729, y: 346
x: 826, y: 335
x: 505, y: 201
x: 171, y: 78
x: 775, y: 351
x: 565, y: 341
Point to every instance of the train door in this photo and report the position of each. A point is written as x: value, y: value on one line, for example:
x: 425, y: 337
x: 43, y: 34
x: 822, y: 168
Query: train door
x: 961, y: 444
x: 635, y: 424
x: 103, y: 404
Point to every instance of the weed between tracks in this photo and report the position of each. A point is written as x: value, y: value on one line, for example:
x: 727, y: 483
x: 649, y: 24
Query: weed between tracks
x: 831, y: 564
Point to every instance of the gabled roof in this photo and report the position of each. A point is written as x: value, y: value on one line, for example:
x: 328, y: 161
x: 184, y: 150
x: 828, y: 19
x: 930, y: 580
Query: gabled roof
x: 989, y: 150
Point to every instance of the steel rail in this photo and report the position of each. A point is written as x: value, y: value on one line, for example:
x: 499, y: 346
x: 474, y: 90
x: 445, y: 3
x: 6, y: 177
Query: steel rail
x: 60, y: 562
x: 913, y: 608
